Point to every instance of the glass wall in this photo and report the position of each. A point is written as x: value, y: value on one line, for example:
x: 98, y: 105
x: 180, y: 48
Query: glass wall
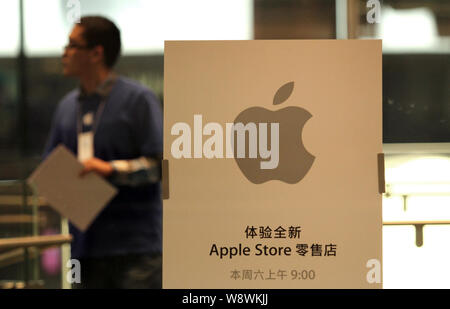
x: 416, y: 133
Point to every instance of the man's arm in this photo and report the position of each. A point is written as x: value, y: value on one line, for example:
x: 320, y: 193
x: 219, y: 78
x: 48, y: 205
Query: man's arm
x: 134, y: 173
x: 141, y: 171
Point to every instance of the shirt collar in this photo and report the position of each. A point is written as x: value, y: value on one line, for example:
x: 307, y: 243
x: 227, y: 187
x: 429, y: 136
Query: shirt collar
x: 103, y: 90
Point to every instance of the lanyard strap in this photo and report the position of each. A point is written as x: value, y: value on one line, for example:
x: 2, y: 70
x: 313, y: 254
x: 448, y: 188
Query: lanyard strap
x: 105, y: 90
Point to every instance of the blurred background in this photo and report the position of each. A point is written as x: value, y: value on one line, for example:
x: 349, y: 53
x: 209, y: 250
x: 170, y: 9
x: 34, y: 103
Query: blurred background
x: 416, y: 109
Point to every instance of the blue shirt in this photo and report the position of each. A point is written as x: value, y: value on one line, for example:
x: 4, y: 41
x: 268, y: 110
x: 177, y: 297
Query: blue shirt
x: 130, y: 127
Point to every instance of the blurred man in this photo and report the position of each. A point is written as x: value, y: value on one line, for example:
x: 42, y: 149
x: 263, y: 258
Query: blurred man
x: 114, y: 125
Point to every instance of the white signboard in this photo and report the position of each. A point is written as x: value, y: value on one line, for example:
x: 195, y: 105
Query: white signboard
x: 273, y: 172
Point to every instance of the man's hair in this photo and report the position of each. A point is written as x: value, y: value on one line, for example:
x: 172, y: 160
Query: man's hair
x: 101, y: 31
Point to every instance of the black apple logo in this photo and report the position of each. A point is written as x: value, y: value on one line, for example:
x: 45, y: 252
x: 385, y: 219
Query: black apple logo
x: 294, y: 160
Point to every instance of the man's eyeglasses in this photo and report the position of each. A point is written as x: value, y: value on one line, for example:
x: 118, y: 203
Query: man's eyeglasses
x: 76, y: 46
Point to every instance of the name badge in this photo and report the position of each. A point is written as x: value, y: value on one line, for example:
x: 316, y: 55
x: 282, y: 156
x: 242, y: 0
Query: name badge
x: 88, y: 119
x: 85, y: 146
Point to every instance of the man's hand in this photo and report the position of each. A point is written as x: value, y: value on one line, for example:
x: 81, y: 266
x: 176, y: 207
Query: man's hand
x: 101, y: 167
